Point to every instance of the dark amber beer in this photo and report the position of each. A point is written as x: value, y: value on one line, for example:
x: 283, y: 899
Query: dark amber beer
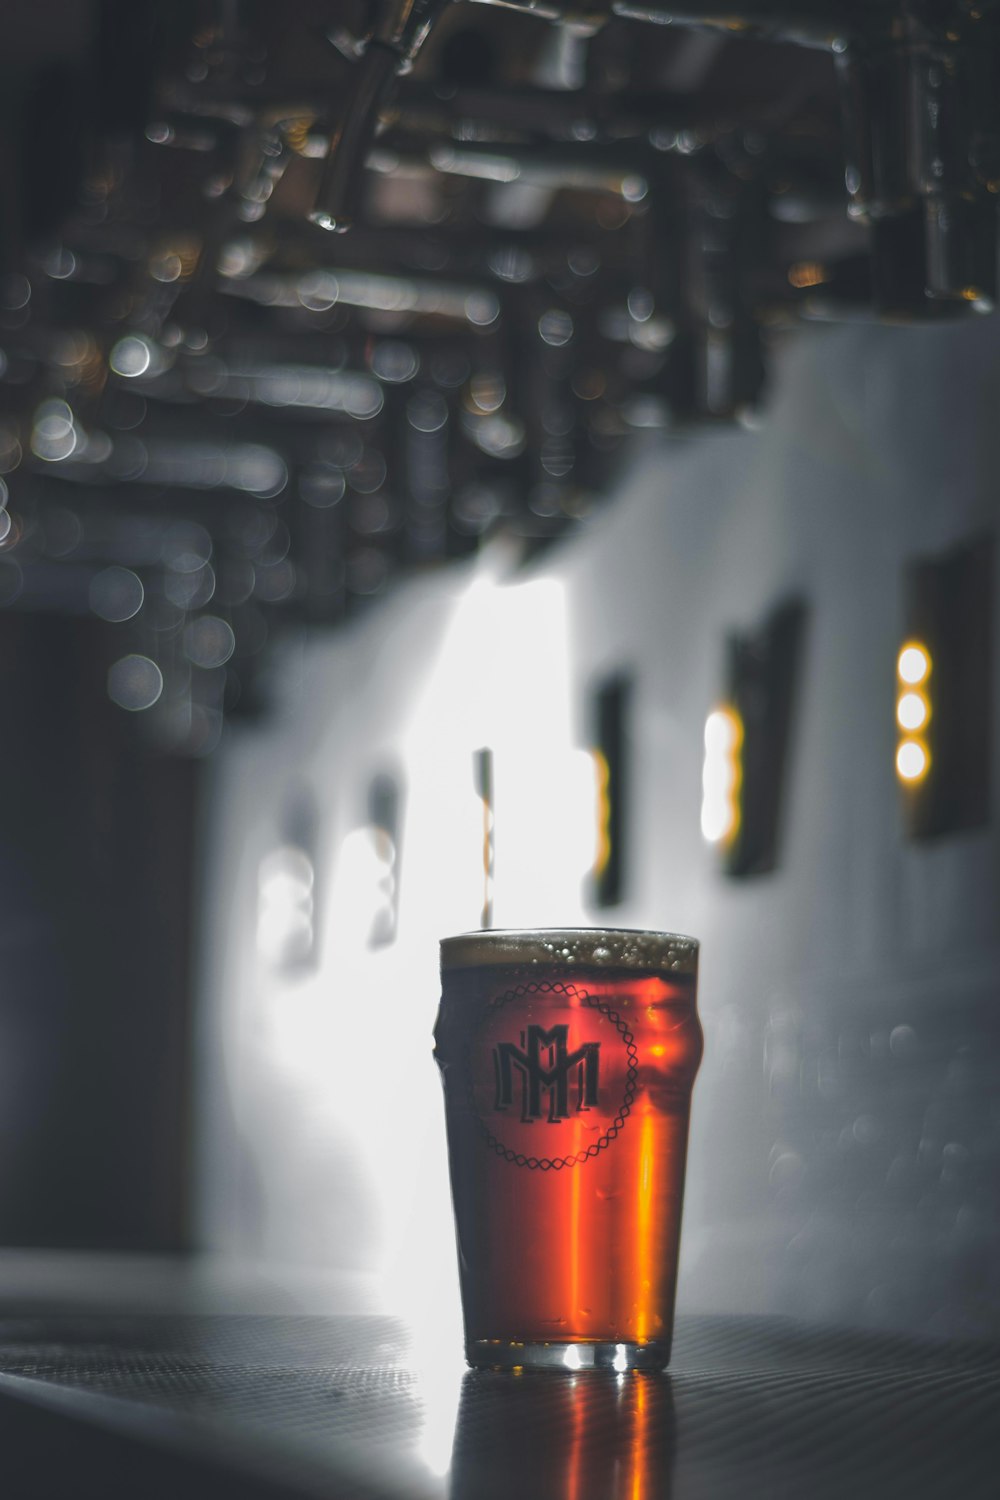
x: 567, y: 1059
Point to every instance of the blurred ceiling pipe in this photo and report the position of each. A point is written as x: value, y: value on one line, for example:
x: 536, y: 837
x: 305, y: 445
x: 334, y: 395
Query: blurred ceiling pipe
x: 922, y: 134
x: 399, y: 33
x: 577, y: 114
x: 918, y: 106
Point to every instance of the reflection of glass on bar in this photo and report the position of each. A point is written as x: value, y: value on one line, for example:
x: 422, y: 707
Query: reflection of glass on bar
x: 578, y: 1438
x: 568, y: 1059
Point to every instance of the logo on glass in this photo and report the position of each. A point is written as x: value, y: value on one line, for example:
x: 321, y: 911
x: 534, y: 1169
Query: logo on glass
x: 553, y: 1074
x: 577, y: 1076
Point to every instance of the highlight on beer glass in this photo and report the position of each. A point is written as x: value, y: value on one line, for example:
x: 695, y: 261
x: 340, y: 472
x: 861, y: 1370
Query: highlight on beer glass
x: 567, y: 1058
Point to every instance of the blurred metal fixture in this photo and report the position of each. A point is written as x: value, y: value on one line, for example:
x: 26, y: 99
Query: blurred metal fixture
x: 921, y: 133
x: 217, y: 425
x: 399, y: 33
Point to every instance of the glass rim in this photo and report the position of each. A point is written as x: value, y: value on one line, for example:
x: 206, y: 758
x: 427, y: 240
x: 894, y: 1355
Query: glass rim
x: 586, y: 947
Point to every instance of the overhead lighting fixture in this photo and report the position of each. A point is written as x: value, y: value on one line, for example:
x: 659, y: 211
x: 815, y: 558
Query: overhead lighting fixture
x: 913, y: 711
x: 285, y: 907
x: 747, y: 741
x: 722, y: 776
x: 944, y: 688
x: 610, y: 715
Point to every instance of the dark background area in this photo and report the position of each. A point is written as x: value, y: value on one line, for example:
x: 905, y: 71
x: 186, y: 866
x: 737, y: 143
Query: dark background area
x: 96, y: 845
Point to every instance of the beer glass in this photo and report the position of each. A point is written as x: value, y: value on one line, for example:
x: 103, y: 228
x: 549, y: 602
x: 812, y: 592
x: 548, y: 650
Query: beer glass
x: 567, y: 1059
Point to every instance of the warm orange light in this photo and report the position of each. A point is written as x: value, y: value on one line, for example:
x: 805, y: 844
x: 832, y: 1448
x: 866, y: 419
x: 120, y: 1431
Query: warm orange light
x: 574, y: 1228
x: 912, y: 761
x: 723, y: 730
x: 297, y: 133
x: 912, y: 711
x: 722, y: 776
x: 914, y: 663
x: 643, y: 1225
x: 603, y: 774
x: 806, y: 273
x: 640, y: 1442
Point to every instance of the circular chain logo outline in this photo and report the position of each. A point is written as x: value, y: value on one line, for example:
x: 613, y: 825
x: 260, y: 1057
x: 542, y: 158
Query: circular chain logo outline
x: 556, y: 1163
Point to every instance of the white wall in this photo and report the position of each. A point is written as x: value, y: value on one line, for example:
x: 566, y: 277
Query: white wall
x: 845, y: 1157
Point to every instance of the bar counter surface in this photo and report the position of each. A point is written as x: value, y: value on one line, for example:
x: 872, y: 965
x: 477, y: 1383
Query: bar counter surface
x: 127, y: 1377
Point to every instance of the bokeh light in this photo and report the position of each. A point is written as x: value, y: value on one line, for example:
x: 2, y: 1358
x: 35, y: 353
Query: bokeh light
x: 133, y: 356
x: 912, y: 711
x: 912, y: 760
x: 116, y: 594
x: 209, y: 641
x: 914, y: 663
x: 54, y: 436
x: 721, y: 776
x: 135, y: 683
x: 285, y: 882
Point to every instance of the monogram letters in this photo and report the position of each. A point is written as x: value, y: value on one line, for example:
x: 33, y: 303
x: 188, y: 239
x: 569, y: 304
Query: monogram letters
x: 552, y: 1074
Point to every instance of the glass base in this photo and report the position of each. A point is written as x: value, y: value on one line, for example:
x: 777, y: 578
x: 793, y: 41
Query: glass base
x: 497, y: 1354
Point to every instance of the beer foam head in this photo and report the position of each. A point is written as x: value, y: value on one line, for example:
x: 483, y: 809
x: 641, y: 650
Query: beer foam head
x: 580, y: 947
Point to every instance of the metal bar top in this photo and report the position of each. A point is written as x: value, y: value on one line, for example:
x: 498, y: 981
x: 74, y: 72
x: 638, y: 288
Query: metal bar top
x: 297, y: 1405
